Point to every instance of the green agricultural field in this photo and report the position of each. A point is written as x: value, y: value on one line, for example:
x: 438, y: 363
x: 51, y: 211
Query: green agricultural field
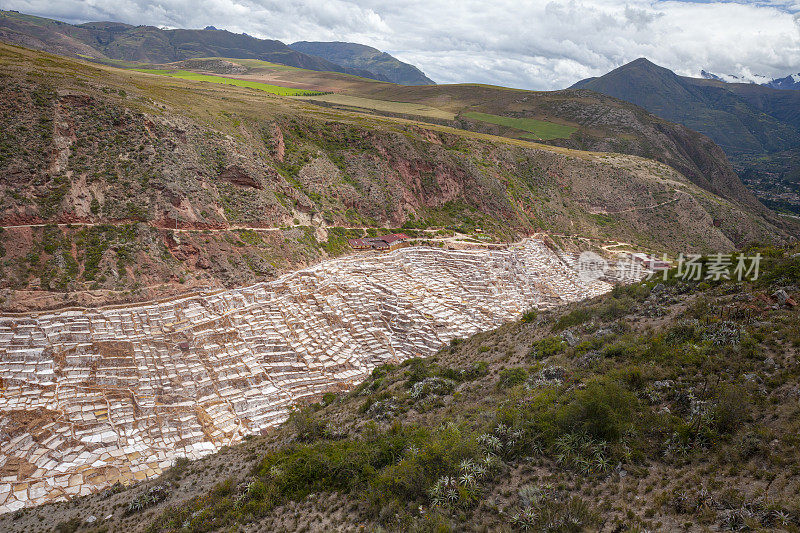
x: 538, y: 129
x: 387, y: 106
x: 254, y: 63
x: 194, y: 76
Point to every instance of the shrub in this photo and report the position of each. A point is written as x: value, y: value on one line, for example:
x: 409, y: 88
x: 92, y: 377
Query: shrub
x: 510, y: 377
x: 548, y: 510
x: 328, y: 398
x: 731, y: 409
x: 547, y: 347
x: 307, y: 425
x: 432, y: 386
x: 573, y: 318
x: 477, y: 370
x: 428, y: 456
x: 69, y: 526
x: 604, y: 410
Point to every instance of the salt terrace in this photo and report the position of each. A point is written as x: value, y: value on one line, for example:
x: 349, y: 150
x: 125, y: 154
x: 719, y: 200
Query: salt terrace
x: 95, y: 396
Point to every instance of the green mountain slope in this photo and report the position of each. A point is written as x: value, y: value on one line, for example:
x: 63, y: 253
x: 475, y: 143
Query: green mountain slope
x: 733, y: 115
x: 597, y: 122
x: 364, y: 57
x: 148, y: 44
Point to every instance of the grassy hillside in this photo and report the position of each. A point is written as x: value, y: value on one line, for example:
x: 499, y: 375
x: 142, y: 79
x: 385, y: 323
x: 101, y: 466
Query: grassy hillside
x: 539, y: 130
x: 599, y: 124
x: 346, y: 101
x: 148, y: 44
x: 663, y: 406
x: 273, y: 89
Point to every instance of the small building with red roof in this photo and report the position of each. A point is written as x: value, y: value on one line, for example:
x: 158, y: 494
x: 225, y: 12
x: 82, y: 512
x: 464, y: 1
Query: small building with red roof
x: 384, y: 243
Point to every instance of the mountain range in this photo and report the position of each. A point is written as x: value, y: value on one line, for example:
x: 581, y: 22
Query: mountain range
x: 148, y: 44
x: 757, y: 126
x: 790, y: 82
x: 137, y: 153
x: 359, y: 56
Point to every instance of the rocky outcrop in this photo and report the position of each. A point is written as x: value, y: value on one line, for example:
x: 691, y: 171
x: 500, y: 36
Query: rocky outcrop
x: 239, y: 176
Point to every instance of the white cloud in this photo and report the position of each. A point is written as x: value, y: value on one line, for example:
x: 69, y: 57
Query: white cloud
x: 537, y: 44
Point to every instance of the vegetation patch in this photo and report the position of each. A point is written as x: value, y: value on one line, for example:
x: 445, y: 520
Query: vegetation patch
x: 194, y: 76
x: 541, y: 130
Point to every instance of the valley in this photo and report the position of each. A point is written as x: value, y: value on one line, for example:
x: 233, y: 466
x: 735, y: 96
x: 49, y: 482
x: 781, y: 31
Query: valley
x: 252, y: 286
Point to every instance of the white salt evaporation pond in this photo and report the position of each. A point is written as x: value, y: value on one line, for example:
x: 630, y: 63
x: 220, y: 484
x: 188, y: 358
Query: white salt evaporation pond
x: 94, y: 396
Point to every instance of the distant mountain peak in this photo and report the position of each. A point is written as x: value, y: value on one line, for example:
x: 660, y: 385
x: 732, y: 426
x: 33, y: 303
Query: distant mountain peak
x: 361, y: 56
x: 790, y: 82
x: 710, y: 76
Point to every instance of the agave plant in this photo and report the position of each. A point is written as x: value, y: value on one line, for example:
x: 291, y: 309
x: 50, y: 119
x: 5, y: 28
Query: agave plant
x: 490, y: 441
x: 536, y: 448
x: 491, y: 462
x: 601, y: 463
x: 530, y: 496
x: 467, y: 479
x: 564, y: 445
x: 467, y: 465
x: 526, y: 520
x: 584, y: 466
x: 781, y: 517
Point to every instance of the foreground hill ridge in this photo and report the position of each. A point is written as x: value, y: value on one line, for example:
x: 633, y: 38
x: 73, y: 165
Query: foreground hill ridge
x: 681, y: 393
x: 151, y: 383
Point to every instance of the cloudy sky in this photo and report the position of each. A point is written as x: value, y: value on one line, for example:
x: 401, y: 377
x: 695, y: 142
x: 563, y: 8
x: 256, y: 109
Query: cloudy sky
x: 533, y: 44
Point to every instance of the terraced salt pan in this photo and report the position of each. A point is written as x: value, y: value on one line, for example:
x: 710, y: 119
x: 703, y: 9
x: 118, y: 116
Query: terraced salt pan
x: 90, y: 397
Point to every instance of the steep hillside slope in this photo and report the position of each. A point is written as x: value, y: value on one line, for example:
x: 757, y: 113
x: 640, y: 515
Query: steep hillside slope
x: 122, y: 159
x: 364, y: 57
x: 148, y: 44
x: 664, y: 406
x: 577, y: 119
x: 160, y: 184
x: 750, y: 122
x: 602, y: 123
